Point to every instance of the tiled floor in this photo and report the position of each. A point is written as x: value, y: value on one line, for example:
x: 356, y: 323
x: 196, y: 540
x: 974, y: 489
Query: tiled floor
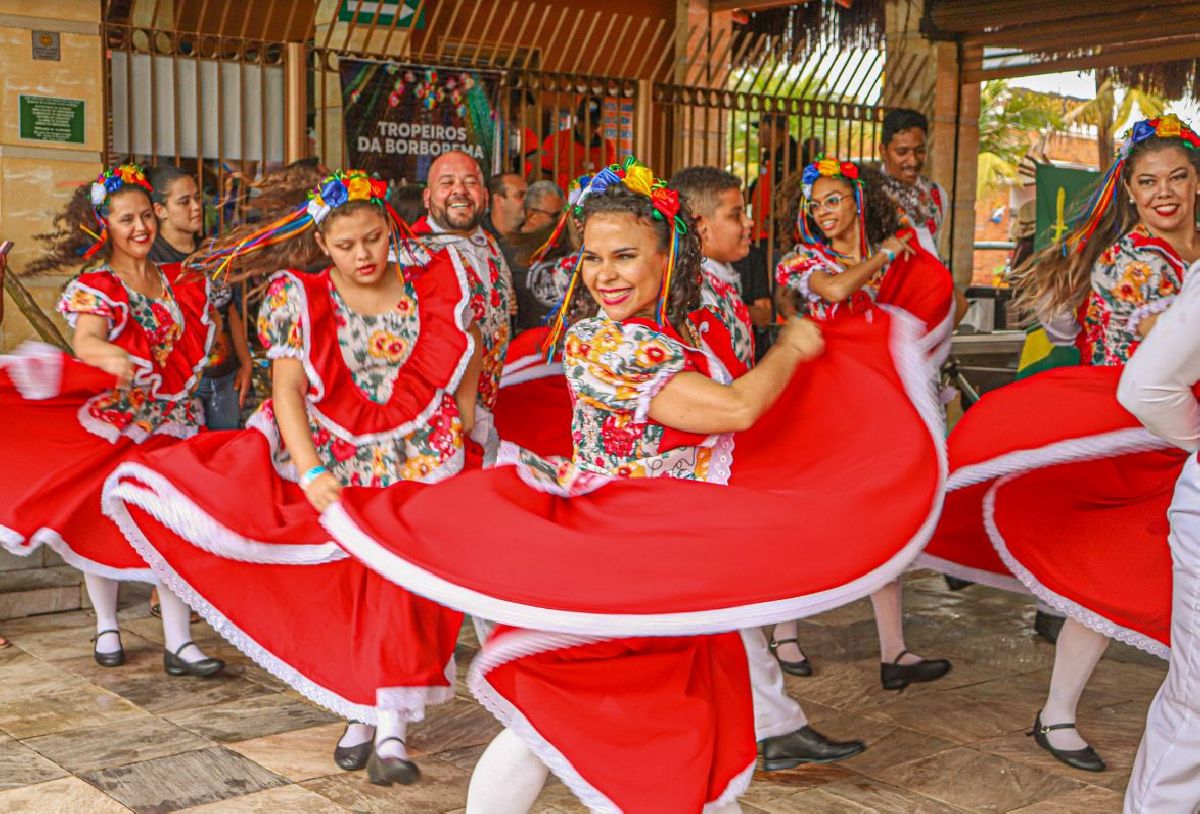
x: 76, y: 737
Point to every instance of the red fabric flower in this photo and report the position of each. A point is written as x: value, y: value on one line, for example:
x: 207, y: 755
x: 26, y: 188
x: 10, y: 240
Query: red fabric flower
x: 378, y: 188
x: 849, y: 170
x: 618, y: 440
x: 666, y: 201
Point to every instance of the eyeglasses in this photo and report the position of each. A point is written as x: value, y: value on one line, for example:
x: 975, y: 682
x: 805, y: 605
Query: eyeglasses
x: 548, y: 213
x: 831, y: 203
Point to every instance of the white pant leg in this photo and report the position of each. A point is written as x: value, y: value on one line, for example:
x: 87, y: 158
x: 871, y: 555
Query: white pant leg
x: 775, y: 712
x: 1166, y: 774
x: 483, y: 628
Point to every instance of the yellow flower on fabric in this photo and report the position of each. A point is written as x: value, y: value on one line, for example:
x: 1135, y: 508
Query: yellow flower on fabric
x: 1169, y: 126
x: 829, y: 167
x: 358, y: 188
x: 653, y: 354
x: 387, y: 346
x: 606, y: 340
x: 639, y: 179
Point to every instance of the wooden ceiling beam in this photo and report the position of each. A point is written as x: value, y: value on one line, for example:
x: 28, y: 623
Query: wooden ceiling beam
x: 1108, y: 32
x: 974, y: 16
x: 1140, y: 53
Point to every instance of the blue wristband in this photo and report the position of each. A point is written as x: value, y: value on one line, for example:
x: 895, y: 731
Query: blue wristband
x: 889, y: 254
x: 311, y: 475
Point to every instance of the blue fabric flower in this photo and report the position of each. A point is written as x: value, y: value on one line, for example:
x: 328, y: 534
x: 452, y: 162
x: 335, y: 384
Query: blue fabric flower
x: 811, y: 174
x: 334, y: 193
x: 112, y: 183
x: 1141, y: 131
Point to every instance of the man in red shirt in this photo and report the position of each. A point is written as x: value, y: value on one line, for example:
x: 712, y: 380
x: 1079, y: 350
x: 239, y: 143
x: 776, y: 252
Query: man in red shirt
x: 581, y: 150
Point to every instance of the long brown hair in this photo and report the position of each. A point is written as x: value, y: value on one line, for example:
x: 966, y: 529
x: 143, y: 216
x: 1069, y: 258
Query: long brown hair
x: 684, y: 296
x: 1058, y: 278
x: 67, y: 240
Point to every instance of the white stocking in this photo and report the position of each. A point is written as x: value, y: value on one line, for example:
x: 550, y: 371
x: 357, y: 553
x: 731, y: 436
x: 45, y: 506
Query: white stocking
x: 1075, y: 656
x: 177, y: 626
x: 507, y: 779
x: 888, y: 603
x: 102, y: 591
x: 790, y: 651
x: 390, y: 726
x: 356, y: 733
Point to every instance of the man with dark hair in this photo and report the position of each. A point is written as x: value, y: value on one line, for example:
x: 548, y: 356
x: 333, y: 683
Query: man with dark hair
x: 506, y: 204
x: 779, y: 156
x: 903, y: 149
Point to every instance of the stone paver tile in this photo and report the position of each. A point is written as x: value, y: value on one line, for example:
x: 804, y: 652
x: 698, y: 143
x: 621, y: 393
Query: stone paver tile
x: 22, y: 766
x: 284, y: 798
x: 767, y: 786
x: 77, y: 706
x: 108, y: 746
x: 883, y: 798
x: 300, y: 754
x: 453, y: 725
x: 1091, y: 799
x: 248, y: 718
x: 442, y: 787
x: 69, y: 795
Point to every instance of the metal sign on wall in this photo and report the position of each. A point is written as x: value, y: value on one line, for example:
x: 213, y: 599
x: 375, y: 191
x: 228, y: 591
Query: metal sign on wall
x: 48, y: 118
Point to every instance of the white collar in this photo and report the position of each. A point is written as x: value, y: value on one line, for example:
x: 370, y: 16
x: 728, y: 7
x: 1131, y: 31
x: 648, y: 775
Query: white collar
x: 478, y: 237
x: 722, y: 271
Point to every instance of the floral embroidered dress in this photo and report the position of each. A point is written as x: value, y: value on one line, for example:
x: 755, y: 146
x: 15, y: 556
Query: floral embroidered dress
x: 1136, y: 277
x: 1054, y: 457
x: 613, y: 371
x: 797, y: 267
x: 224, y: 510
x: 374, y: 349
x: 721, y: 292
x: 66, y: 424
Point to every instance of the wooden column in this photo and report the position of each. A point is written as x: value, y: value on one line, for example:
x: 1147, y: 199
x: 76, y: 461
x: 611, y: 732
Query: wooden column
x: 295, y: 90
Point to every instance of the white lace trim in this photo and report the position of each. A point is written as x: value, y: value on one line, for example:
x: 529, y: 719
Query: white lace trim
x: 120, y: 308
x: 408, y: 702
x: 312, y: 400
x: 133, y: 431
x: 977, y: 575
x: 1104, y: 445
x: 527, y: 372
x: 512, y: 366
x: 35, y: 369
x: 649, y: 390
x: 158, y: 497
x: 15, y: 543
x: 735, y: 789
x: 1085, y: 616
x: 1157, y: 306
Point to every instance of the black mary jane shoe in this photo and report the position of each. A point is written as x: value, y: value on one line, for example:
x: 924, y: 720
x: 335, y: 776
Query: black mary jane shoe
x: 384, y: 771
x: 353, y: 758
x: 896, y: 676
x: 1048, y: 626
x: 114, y: 659
x: 177, y: 666
x: 1084, y: 759
x: 805, y: 745
x: 800, y: 668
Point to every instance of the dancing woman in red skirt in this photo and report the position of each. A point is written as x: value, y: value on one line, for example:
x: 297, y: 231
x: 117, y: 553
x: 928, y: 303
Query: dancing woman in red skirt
x: 374, y: 376
x: 855, y: 255
x: 1055, y: 487
x: 141, y: 338
x: 617, y: 573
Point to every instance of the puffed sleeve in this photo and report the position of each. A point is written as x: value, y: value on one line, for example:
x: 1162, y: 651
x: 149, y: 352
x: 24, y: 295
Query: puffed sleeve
x: 795, y: 269
x: 1133, y: 284
x: 281, y: 318
x: 80, y: 298
x: 620, y: 367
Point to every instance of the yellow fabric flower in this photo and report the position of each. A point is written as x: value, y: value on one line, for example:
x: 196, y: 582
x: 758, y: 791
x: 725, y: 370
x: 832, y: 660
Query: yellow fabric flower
x: 639, y: 179
x: 829, y: 167
x: 1169, y: 126
x: 358, y: 189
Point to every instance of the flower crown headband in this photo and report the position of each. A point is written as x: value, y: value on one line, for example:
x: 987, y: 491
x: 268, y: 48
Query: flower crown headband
x: 338, y: 189
x: 831, y: 168
x: 107, y: 184
x: 639, y: 179
x: 1163, y: 127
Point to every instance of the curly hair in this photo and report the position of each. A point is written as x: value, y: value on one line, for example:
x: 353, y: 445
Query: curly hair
x: 883, y: 217
x: 66, y: 240
x: 1058, y: 277
x: 684, y: 296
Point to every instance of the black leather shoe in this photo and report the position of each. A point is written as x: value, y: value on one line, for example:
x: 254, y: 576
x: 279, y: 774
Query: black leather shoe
x: 114, y: 659
x: 896, y: 676
x: 384, y: 771
x: 176, y: 666
x: 956, y: 584
x: 805, y: 745
x: 353, y: 758
x: 800, y: 668
x: 1048, y: 626
x: 1084, y: 759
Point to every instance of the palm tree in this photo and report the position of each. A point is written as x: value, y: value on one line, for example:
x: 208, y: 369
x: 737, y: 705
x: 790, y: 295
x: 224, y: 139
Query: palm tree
x: 1109, y: 118
x: 1007, y: 118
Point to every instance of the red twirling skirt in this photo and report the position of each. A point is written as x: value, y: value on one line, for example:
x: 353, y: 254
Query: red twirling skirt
x: 1056, y: 488
x: 52, y: 469
x: 668, y: 558
x: 244, y: 548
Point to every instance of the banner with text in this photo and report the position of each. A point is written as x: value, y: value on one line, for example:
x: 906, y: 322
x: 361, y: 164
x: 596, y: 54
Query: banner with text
x: 399, y: 118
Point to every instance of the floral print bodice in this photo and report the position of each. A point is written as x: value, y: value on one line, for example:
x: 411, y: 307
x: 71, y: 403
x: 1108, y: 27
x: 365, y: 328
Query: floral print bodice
x: 614, y: 370
x: 374, y: 348
x: 135, y: 412
x: 797, y: 267
x: 1134, y: 278
x: 724, y: 299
